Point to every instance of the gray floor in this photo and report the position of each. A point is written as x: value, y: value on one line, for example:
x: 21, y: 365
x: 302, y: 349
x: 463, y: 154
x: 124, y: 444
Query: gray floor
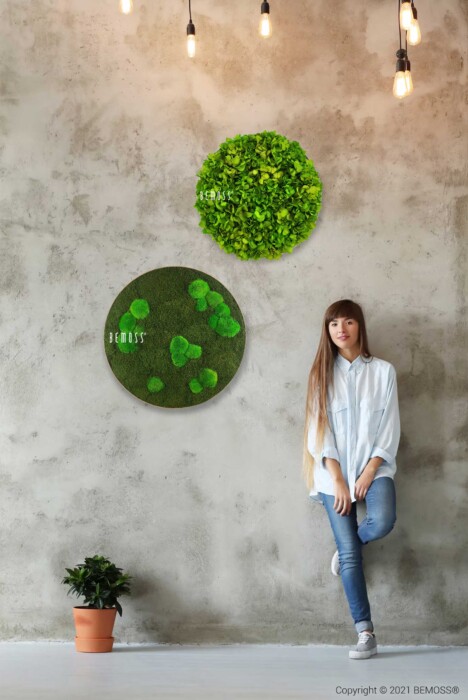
x: 46, y: 671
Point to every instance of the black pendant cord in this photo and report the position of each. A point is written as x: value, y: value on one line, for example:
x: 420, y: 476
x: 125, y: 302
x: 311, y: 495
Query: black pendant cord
x: 190, y: 9
x: 399, y: 27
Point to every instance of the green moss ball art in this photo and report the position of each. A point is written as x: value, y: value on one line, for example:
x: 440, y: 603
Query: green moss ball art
x: 162, y: 342
x: 258, y: 195
x: 220, y: 319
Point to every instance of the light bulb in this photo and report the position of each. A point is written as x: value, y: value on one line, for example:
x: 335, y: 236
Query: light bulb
x: 191, y: 39
x: 400, y: 88
x: 409, y: 82
x: 191, y: 45
x: 413, y: 35
x: 126, y: 6
x: 406, y: 15
x: 265, y: 26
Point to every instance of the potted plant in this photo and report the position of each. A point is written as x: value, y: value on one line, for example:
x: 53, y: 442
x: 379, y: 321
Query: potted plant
x: 100, y: 583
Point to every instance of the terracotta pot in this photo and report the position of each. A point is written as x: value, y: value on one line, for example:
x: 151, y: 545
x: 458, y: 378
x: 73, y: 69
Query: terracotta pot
x: 94, y: 628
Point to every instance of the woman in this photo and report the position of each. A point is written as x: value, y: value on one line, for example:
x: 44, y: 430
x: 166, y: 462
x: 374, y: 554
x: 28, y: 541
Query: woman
x: 351, y: 439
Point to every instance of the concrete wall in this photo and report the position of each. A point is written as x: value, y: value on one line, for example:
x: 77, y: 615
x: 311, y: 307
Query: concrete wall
x: 104, y: 124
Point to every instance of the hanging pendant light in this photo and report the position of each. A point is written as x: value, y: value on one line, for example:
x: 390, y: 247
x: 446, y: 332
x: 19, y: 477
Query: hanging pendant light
x: 408, y: 78
x: 126, y: 6
x: 190, y: 34
x: 406, y: 15
x: 264, y: 28
x: 400, y: 84
x: 414, y: 32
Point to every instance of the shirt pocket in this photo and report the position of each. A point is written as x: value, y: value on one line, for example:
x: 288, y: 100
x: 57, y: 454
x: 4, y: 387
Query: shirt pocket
x: 373, y: 411
x: 339, y: 416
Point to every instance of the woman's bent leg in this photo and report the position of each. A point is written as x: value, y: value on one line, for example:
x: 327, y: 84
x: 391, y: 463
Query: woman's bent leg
x: 350, y: 556
x: 381, y: 510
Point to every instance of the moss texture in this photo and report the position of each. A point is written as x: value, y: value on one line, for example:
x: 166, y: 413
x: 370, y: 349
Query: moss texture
x: 173, y: 313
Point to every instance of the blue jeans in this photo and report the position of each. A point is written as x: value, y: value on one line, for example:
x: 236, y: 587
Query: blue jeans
x: 349, y: 537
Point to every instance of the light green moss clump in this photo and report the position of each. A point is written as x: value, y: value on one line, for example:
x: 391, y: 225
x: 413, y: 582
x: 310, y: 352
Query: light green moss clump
x: 195, y: 386
x: 179, y: 344
x: 227, y: 327
x: 139, y: 308
x: 155, y: 384
x: 179, y: 359
x: 207, y: 379
x: 222, y: 310
x: 125, y: 345
x: 198, y: 289
x: 201, y: 304
x: 127, y: 322
x: 220, y: 319
x: 214, y: 298
x: 182, y: 351
x: 193, y: 352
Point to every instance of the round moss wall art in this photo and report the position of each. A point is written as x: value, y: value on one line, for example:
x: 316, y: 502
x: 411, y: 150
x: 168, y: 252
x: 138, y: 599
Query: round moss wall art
x: 258, y: 196
x: 174, y: 337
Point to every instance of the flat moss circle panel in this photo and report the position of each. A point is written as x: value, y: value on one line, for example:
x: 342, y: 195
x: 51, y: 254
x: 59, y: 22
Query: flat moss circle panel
x: 174, y: 337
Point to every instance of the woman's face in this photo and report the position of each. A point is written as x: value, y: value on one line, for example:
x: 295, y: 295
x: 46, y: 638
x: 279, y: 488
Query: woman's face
x: 344, y: 332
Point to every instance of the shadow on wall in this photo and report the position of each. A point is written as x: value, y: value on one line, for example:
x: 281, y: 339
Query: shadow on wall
x: 428, y: 548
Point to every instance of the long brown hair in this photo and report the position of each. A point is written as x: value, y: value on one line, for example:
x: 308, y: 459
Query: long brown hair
x: 321, y: 375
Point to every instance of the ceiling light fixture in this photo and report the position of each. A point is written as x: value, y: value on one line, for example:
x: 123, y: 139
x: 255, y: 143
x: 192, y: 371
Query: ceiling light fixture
x: 264, y: 27
x: 190, y: 34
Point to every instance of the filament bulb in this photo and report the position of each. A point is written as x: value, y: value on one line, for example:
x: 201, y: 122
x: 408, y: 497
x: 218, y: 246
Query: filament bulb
x: 126, y: 6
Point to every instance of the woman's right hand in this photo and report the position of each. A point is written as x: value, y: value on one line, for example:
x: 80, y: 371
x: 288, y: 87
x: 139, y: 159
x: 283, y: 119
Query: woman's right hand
x: 343, y: 502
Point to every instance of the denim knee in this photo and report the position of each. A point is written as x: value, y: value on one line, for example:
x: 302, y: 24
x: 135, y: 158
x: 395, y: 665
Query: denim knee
x: 349, y: 554
x: 382, y: 527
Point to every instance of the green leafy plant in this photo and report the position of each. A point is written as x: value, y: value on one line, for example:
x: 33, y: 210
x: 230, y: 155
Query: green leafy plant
x: 258, y: 195
x: 99, y: 582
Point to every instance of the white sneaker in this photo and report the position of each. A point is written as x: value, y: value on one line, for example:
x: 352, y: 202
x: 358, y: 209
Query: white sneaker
x: 366, y: 646
x: 335, y: 564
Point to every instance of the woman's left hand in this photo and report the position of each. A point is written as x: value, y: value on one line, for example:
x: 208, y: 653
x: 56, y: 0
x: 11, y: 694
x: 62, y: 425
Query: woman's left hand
x: 363, y: 483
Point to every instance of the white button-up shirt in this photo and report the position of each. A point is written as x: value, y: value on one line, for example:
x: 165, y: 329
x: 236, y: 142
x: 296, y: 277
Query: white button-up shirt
x: 365, y: 420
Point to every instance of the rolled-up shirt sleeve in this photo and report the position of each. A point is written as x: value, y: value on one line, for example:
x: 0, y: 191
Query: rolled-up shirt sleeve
x: 329, y: 443
x: 387, y: 438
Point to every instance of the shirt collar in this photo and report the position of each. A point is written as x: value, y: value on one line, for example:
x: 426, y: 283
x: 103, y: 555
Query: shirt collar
x: 347, y: 366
